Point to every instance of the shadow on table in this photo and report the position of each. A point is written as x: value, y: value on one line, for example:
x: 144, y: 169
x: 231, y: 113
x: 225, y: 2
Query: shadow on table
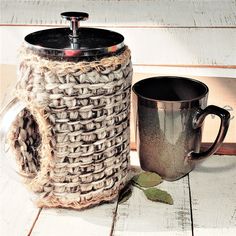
x: 217, y: 165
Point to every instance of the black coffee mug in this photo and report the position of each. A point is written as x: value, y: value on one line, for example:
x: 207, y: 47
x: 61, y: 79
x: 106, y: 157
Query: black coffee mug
x: 170, y: 113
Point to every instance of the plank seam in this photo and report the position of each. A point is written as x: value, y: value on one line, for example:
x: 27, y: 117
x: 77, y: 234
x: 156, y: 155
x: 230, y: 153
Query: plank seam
x: 114, y: 219
x: 189, y: 65
x: 127, y: 26
x: 36, y: 219
x: 190, y: 203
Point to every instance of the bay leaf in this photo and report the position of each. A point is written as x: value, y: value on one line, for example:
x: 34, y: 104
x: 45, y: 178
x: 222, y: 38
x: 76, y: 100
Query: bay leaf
x: 125, y: 194
x: 158, y: 195
x: 147, y: 179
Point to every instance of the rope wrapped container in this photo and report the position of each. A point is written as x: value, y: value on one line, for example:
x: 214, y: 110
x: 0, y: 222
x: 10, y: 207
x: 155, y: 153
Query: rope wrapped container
x: 71, y: 142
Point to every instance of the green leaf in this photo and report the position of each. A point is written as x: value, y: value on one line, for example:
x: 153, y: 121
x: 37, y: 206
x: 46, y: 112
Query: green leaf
x: 147, y: 179
x: 158, y: 195
x: 125, y: 194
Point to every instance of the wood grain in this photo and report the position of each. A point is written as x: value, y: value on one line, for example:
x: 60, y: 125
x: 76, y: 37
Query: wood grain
x: 61, y: 222
x: 17, y: 210
x: 145, y: 13
x: 160, y: 47
x: 212, y: 188
x: 139, y: 216
x: 213, y: 192
x: 186, y: 70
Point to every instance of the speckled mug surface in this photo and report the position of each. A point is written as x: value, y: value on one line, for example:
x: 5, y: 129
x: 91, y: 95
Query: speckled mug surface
x: 170, y: 112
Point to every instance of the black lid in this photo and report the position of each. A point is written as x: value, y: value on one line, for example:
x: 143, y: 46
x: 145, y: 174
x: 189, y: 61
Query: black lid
x: 74, y: 42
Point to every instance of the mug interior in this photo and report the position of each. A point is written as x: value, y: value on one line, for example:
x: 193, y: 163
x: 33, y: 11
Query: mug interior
x: 168, y: 88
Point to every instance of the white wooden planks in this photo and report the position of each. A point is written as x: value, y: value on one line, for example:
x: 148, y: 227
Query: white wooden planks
x: 139, y: 216
x: 166, y: 34
x: 213, y: 191
x: 213, y: 195
x: 182, y: 46
x: 60, y: 222
x: 17, y: 210
x: 157, y: 47
x: 147, y: 13
x: 185, y: 71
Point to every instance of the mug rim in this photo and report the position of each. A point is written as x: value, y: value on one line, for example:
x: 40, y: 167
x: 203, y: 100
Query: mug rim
x: 172, y: 101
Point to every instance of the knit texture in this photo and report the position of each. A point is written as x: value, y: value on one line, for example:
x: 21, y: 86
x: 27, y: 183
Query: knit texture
x: 72, y: 139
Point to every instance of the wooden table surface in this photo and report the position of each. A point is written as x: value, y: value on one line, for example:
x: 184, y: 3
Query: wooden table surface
x: 204, y: 204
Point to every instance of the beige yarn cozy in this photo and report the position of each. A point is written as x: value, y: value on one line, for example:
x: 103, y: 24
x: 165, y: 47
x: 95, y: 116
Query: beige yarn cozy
x: 71, y: 142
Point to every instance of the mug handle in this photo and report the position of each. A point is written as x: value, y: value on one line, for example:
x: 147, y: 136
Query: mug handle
x: 198, y: 120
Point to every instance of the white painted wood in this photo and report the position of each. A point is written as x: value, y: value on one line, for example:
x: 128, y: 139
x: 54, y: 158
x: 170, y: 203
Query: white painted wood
x: 185, y: 71
x: 148, y: 13
x: 17, y: 210
x: 60, y: 222
x: 182, y: 46
x: 186, y: 47
x: 213, y: 191
x: 10, y: 41
x: 139, y: 216
x: 213, y: 196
